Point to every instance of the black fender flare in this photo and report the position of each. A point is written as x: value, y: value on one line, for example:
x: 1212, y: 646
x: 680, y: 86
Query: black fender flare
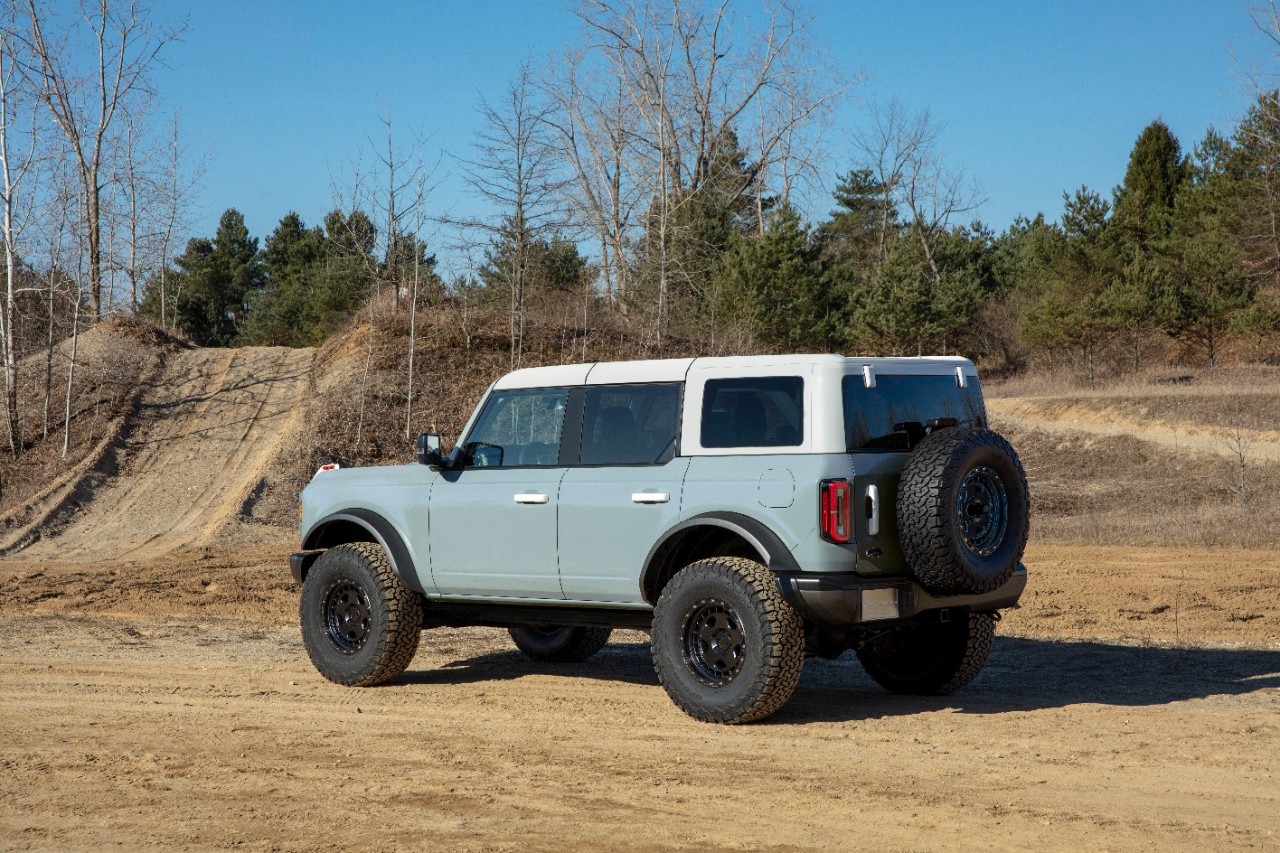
x: 768, y: 546
x: 379, y: 529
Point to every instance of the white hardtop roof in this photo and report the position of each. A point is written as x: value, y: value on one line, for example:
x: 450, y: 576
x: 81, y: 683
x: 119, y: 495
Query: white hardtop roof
x: 676, y: 369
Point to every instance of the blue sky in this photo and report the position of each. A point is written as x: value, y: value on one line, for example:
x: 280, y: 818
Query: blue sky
x: 1035, y: 97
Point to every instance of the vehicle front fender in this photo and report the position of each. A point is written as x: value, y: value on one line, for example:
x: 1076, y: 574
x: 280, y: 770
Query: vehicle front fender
x: 362, y: 525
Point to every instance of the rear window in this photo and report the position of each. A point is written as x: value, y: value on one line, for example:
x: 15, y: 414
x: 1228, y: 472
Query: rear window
x: 757, y: 411
x: 895, y: 414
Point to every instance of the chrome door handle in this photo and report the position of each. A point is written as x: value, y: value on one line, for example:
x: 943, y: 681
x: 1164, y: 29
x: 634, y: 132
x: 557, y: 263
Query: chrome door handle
x: 873, y: 510
x: 531, y: 498
x: 650, y: 497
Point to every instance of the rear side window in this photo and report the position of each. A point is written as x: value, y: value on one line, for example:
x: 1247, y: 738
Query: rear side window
x: 895, y: 414
x: 756, y: 411
x: 630, y: 424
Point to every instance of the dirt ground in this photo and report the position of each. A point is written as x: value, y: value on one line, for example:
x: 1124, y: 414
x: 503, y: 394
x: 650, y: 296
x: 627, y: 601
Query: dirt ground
x: 154, y: 693
x: 1133, y: 703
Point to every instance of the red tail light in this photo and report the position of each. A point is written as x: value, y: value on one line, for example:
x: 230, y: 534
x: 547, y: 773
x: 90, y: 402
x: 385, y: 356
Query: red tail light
x: 834, y: 505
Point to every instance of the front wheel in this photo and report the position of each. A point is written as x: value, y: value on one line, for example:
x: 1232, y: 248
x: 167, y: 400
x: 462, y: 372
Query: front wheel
x: 930, y: 660
x: 559, y: 643
x: 727, y: 647
x: 360, y: 623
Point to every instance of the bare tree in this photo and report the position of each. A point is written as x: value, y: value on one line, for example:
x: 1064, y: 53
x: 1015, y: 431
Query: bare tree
x: 402, y: 170
x: 133, y: 183
x: 592, y: 129
x: 15, y: 167
x: 515, y: 170
x: 692, y: 76
x: 85, y: 105
x: 174, y: 191
x: 61, y: 205
x: 902, y: 152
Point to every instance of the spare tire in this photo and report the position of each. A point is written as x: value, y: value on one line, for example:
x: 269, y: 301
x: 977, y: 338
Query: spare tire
x: 963, y: 511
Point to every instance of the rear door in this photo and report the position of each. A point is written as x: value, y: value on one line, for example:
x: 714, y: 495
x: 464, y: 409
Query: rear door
x: 624, y: 492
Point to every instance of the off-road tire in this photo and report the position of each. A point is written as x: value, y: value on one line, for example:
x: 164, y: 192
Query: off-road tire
x: 727, y: 647
x: 559, y: 643
x: 953, y: 549
x: 360, y: 623
x: 930, y: 660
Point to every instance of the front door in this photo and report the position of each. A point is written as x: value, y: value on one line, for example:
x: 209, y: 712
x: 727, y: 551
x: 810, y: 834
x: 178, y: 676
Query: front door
x: 493, y: 523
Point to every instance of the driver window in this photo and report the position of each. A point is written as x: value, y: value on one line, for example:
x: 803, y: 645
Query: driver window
x: 518, y: 428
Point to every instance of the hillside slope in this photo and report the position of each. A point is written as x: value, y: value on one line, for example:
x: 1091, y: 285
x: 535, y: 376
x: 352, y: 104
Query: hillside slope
x: 202, y: 436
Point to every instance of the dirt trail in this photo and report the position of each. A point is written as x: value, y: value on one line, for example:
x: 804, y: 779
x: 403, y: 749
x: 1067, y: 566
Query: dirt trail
x: 1095, y: 418
x: 205, y: 433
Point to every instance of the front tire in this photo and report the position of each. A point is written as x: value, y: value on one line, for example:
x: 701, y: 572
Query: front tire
x: 727, y: 647
x: 930, y: 660
x: 559, y: 643
x: 360, y: 623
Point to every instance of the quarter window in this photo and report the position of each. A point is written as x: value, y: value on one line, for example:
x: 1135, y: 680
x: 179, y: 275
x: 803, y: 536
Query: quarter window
x: 757, y: 411
x: 630, y: 424
x: 518, y: 428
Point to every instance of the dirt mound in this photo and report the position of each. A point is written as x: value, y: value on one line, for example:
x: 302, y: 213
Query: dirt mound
x: 1168, y: 426
x: 198, y: 442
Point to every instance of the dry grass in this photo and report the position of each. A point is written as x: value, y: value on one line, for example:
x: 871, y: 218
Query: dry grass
x: 357, y: 420
x: 1122, y: 490
x: 1196, y: 462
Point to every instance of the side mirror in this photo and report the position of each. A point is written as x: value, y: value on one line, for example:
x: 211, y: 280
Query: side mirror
x: 429, y: 448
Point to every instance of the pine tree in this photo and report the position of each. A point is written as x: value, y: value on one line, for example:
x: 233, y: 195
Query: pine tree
x: 1144, y: 202
x: 218, y: 275
x: 777, y: 289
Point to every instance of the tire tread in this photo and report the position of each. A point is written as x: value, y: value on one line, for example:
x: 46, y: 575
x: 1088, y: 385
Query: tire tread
x: 776, y: 678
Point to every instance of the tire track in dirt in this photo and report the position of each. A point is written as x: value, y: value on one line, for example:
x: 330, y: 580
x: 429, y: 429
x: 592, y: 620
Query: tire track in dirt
x: 208, y: 430
x: 1095, y: 418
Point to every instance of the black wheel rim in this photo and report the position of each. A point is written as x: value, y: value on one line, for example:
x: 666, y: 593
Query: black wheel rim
x: 714, y: 642
x: 347, y: 616
x: 982, y: 511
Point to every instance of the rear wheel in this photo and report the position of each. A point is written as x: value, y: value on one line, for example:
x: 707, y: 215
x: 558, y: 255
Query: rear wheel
x: 559, y: 643
x: 360, y: 623
x: 933, y: 659
x: 727, y: 647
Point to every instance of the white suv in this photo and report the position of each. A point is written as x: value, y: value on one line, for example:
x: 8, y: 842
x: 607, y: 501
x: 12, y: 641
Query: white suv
x: 744, y: 511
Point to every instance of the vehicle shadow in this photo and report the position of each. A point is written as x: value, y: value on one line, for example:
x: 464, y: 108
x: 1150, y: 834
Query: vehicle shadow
x: 1022, y: 674
x: 1027, y: 674
x: 626, y: 662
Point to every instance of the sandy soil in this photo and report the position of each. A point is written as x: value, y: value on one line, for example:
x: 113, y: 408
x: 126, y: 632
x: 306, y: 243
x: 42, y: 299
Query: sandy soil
x: 1096, y: 418
x: 154, y: 693
x: 1134, y: 703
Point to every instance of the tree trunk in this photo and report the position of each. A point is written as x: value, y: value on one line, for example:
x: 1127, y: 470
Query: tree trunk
x: 93, y: 223
x: 71, y: 378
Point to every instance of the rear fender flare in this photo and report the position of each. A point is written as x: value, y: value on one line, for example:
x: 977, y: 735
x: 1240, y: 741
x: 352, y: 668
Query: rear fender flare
x: 769, y: 548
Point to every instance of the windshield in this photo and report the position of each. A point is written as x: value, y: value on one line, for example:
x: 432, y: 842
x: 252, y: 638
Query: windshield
x: 897, y: 412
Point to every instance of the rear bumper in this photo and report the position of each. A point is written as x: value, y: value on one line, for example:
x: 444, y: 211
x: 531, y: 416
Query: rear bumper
x: 844, y: 599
